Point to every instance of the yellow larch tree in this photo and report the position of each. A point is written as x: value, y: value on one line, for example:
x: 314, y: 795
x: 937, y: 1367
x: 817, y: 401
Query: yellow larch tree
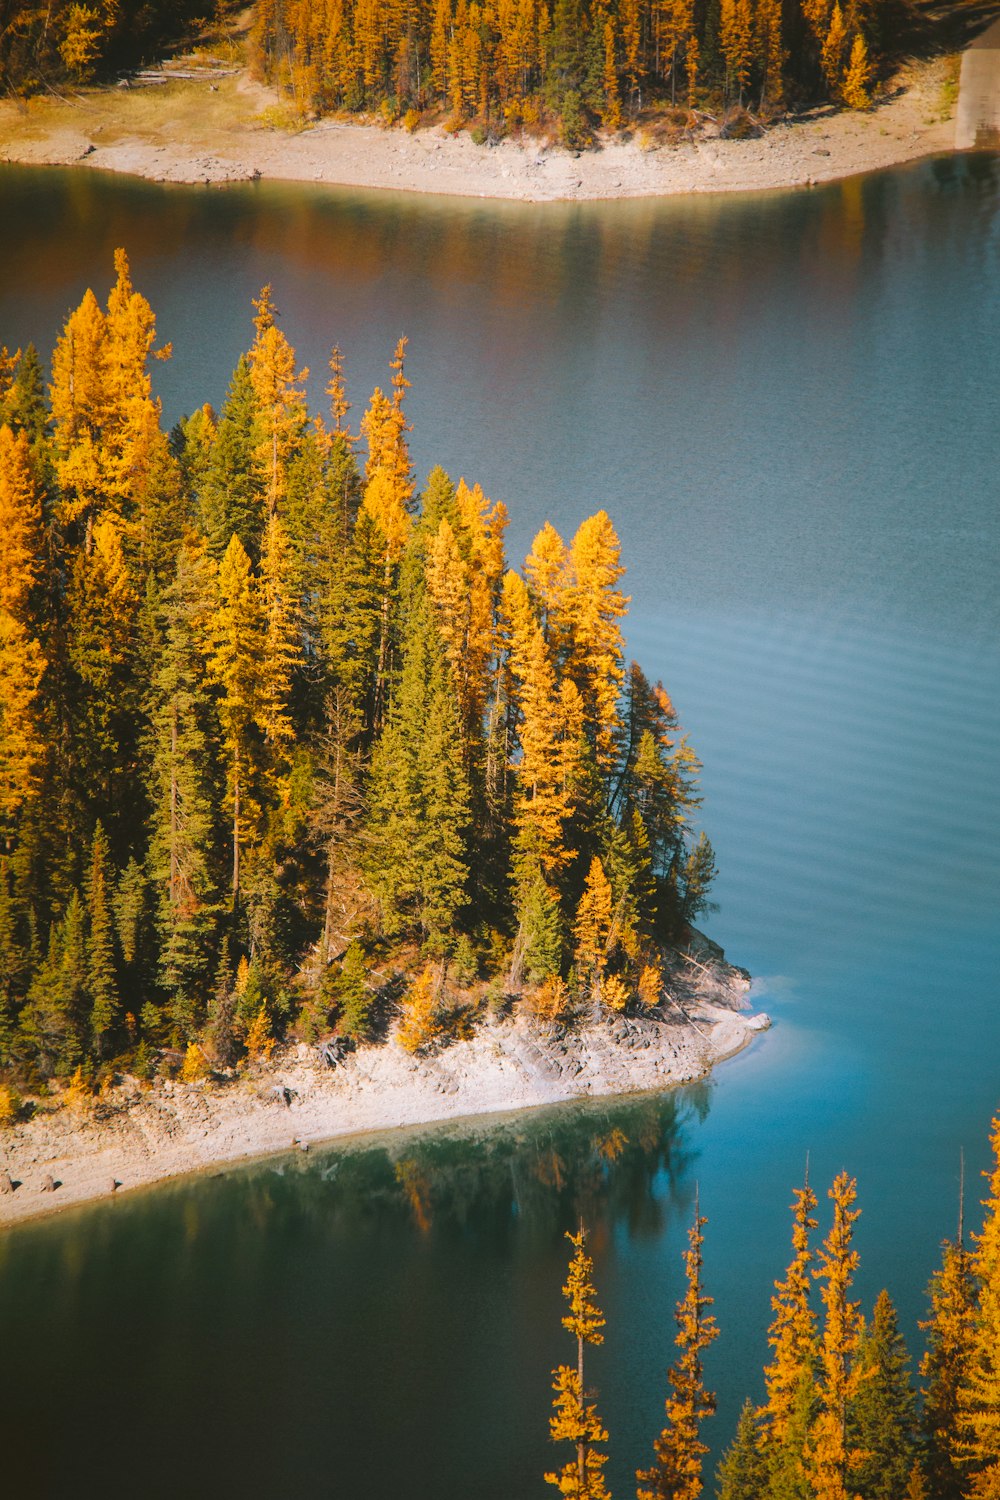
x: 790, y: 1377
x: 131, y: 418
x: 827, y: 1454
x: 855, y: 86
x: 592, y: 928
x: 550, y: 716
x: 281, y: 403
x: 78, y: 398
x: 22, y: 741
x: 387, y: 499
x: 832, y: 51
x: 106, y: 420
x: 236, y: 646
x: 612, y: 111
x: 574, y: 1419
x: 979, y: 1396
x: 546, y: 568
x: 464, y: 573
x: 22, y: 664
x: 771, y: 52
x: 20, y: 524
x: 281, y: 636
x: 737, y: 43
x: 676, y: 1473
x: 594, y: 607
x: 944, y: 1368
x: 419, y: 1023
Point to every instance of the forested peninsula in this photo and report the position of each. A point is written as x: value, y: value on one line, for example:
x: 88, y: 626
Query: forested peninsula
x: 288, y: 754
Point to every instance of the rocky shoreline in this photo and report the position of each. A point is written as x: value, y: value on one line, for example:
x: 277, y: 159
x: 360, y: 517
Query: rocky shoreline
x: 182, y: 133
x: 138, y: 1135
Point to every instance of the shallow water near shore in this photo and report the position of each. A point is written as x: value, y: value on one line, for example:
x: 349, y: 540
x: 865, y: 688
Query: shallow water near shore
x: 788, y: 405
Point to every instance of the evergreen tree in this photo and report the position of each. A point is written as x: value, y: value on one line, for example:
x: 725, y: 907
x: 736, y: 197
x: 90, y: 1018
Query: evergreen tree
x: 945, y: 1369
x: 236, y: 646
x: 979, y: 1397
x: 541, y: 932
x: 182, y: 790
x: 827, y: 1453
x: 107, y: 683
x: 102, y: 978
x: 23, y: 408
x: 231, y: 498
x: 281, y: 415
x: 55, y: 1021
x: 790, y: 1377
x: 676, y: 1473
x: 743, y: 1473
x: 882, y: 1415
x: 417, y: 863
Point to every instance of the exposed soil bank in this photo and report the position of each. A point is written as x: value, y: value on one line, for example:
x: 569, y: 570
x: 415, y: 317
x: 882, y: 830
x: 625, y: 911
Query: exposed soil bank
x: 136, y: 1136
x: 212, y: 132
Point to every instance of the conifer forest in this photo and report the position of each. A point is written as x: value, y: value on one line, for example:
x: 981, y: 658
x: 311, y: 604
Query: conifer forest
x: 282, y: 742
x: 840, y: 1419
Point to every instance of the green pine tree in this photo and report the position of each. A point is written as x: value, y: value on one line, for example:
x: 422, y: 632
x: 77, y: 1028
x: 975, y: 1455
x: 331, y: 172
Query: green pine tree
x: 102, y: 977
x: 882, y: 1416
x: 417, y: 862
x: 182, y: 792
x: 232, y: 498
x: 743, y: 1470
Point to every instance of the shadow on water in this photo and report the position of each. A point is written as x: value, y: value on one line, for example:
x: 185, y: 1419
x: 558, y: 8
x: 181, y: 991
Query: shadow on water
x: 230, y: 1335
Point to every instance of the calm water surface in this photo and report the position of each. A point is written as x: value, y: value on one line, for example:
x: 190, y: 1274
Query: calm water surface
x: 789, y: 404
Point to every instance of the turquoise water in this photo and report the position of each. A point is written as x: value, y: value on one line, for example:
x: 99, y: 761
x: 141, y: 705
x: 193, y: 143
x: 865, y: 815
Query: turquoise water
x: 788, y: 403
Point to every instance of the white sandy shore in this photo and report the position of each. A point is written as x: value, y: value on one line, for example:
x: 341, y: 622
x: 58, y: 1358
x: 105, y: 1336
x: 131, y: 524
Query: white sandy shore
x: 168, y: 139
x: 138, y: 1136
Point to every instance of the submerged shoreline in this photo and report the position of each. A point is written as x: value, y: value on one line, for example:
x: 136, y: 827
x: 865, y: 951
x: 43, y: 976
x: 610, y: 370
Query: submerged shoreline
x: 187, y: 134
x: 137, y: 1136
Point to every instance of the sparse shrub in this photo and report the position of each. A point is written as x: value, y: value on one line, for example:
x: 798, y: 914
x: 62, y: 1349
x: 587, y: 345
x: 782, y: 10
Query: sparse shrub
x: 260, y: 1038
x: 549, y: 1003
x: 78, y: 1094
x: 420, y: 1023
x: 411, y: 120
x: 464, y: 964
x: 615, y: 993
x: 195, y: 1066
x: 10, y: 1106
x: 650, y: 986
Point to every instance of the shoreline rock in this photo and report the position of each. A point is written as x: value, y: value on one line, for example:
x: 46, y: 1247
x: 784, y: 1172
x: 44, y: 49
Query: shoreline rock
x: 139, y: 1136
x: 227, y: 143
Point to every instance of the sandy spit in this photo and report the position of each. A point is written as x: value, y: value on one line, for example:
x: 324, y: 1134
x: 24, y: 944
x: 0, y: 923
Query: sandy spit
x: 137, y: 1136
x: 168, y: 139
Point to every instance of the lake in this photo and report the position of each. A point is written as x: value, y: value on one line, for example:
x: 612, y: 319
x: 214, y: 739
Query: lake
x: 788, y: 403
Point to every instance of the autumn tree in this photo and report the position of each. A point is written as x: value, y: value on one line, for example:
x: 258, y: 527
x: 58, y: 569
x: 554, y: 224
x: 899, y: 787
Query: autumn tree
x: 235, y: 640
x: 22, y: 662
x: 828, y: 1455
x: 574, y: 1419
x: 790, y: 1376
x: 979, y: 1395
x: 945, y: 1368
x: 676, y: 1473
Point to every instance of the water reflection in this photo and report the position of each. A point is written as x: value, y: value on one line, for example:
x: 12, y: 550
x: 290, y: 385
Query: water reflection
x: 398, y: 1295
